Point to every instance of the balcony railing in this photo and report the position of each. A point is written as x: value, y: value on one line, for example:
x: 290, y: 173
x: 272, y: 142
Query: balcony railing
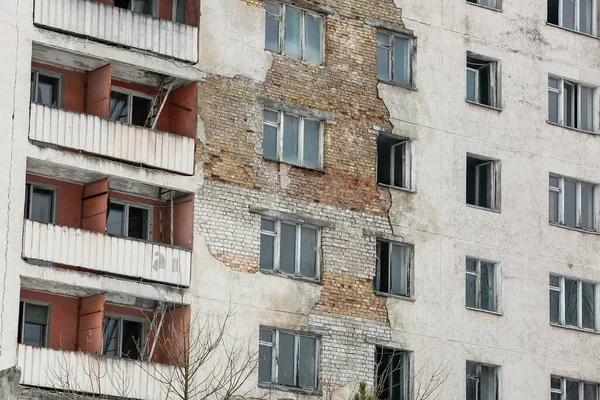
x: 117, y: 25
x: 112, y: 139
x: 108, y: 254
x: 72, y: 372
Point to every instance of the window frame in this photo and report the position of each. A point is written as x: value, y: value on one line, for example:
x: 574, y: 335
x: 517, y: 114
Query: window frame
x: 497, y: 7
x: 409, y: 269
x: 130, y: 94
x: 153, y: 8
x: 29, y: 187
x: 48, y: 319
x: 390, y: 49
x: 578, y: 199
x: 477, y: 378
x: 279, y: 125
x: 495, y: 182
x: 276, y: 234
x: 576, y: 116
x: 577, y: 27
x: 497, y: 284
x: 51, y: 74
x: 174, y: 11
x: 563, y: 387
x: 281, y: 32
x: 125, y: 225
x: 562, y: 303
x: 407, y: 166
x: 494, y: 80
x: 274, y: 345
x: 406, y: 355
x: 143, y: 337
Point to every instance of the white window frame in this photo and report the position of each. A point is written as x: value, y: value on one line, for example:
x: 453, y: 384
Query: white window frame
x: 53, y: 189
x: 281, y: 19
x: 562, y: 302
x: 562, y: 120
x: 478, y: 375
x: 48, y: 317
x: 390, y: 49
x: 561, y: 202
x: 563, y: 387
x: 280, y: 129
x: 497, y: 283
x: 275, y: 355
x: 409, y: 268
x: 494, y: 87
x: 577, y: 17
x: 143, y: 336
x: 298, y: 245
x: 37, y: 72
x: 128, y: 204
x: 130, y: 94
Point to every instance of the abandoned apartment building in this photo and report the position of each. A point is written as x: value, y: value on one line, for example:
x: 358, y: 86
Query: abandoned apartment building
x: 397, y: 192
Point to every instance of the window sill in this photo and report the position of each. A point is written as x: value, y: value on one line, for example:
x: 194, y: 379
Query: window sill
x: 395, y: 296
x: 294, y: 165
x: 272, y: 386
x: 574, y: 328
x: 294, y: 277
x: 571, y: 129
x: 486, y: 7
x: 484, y: 105
x: 402, y: 85
x: 497, y: 313
x: 397, y: 188
x: 572, y: 228
x: 572, y: 31
x: 484, y: 208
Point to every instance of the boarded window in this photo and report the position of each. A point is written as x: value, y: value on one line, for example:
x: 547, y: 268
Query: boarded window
x: 393, y: 268
x: 394, y: 55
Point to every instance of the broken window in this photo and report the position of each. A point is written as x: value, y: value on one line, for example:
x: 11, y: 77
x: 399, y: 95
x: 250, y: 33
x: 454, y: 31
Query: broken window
x: 393, y: 268
x: 289, y: 248
x: 572, y: 302
x: 570, y: 104
x: 572, y: 203
x: 482, y: 80
x: 570, y: 389
x: 45, y: 88
x: 394, y: 52
x: 179, y: 11
x: 129, y: 108
x: 39, y: 203
x: 138, y: 6
x: 482, y: 286
x: 122, y: 337
x: 394, y: 159
x: 483, y: 182
x: 482, y: 381
x: 33, y: 324
x: 301, y: 30
x: 287, y: 358
x: 577, y: 15
x: 485, y: 3
x: 392, y: 374
x: 129, y: 220
x: 293, y: 139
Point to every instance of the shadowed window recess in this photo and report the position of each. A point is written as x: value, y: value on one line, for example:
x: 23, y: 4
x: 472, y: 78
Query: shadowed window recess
x: 482, y: 285
x: 393, y: 268
x: 129, y: 220
x: 394, y: 161
x: 483, y: 182
x: 482, y: 80
x: 138, y: 6
x: 392, y: 374
x: 129, y: 108
x: 482, y: 381
x: 122, y: 337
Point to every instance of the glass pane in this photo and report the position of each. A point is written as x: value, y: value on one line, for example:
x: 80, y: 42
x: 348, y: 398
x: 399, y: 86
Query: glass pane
x: 585, y: 16
x: 399, y: 163
x: 471, y: 291
x: 269, y: 144
x: 308, y: 252
x: 402, y: 50
x: 383, y: 261
x: 483, y: 174
x: 471, y: 389
x: 572, y: 387
x: 399, y: 270
x: 555, y: 396
x: 569, y: 103
x: 588, y: 305
x: 587, y: 206
x: 471, y: 265
x: 472, y: 85
x: 118, y: 107
x: 116, y: 218
x: 271, y: 116
x: 383, y: 38
x: 180, y: 11
x: 488, y: 286
x: 397, y: 374
x: 36, y: 314
x: 272, y: 34
x: 312, y: 133
x: 291, y: 125
x: 587, y: 109
x: 47, y: 90
x: 142, y: 6
x: 488, y: 3
x: 553, y: 205
x: 553, y: 82
x: 590, y: 391
x: 307, y: 363
x: 555, y: 306
x: 265, y: 363
x: 32, y: 87
x: 138, y: 223
x: 33, y: 334
x: 293, y: 16
x: 568, y: 20
x: 42, y: 204
x: 267, y: 252
x: 313, y: 37
x: 570, y: 195
x: 555, y: 383
x: 265, y: 335
x: 555, y: 281
x: 267, y: 225
x: 273, y: 8
x: 553, y: 99
x: 383, y: 64
x: 553, y: 181
x: 286, y: 359
x: 287, y: 259
x: 110, y: 345
x: 488, y: 383
x: 131, y: 340
x: 571, y: 302
x: 140, y: 110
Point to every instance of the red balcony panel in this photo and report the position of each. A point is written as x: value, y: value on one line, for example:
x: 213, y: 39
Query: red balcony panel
x: 94, y: 206
x: 97, y: 97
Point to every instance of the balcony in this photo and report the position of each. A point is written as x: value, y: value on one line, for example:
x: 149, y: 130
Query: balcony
x: 120, y: 26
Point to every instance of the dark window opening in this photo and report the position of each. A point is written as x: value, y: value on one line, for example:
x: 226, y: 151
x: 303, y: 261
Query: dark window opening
x: 393, y: 269
x: 122, y: 338
x: 392, y: 374
x: 45, y: 89
x: 393, y: 161
x: 553, y: 8
x: 33, y: 324
x: 481, y: 81
x: 481, y: 183
x: 138, y: 223
x: 139, y: 6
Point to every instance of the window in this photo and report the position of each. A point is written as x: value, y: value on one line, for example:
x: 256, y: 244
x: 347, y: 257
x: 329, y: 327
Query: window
x: 139, y: 6
x: 288, y: 359
x: 45, y: 88
x: 122, y: 337
x: 394, y: 54
x: 129, y: 220
x: 483, y: 182
x: 392, y: 374
x: 577, y: 15
x: 482, y: 287
x: 394, y: 161
x: 573, y: 302
x: 288, y: 248
x: 292, y: 139
x: 393, y: 268
x: 482, y: 79
x: 570, y: 104
x: 569, y: 389
x: 39, y: 204
x: 485, y: 3
x: 33, y: 324
x: 301, y: 30
x: 129, y: 108
x: 482, y: 381
x: 572, y: 203
x: 179, y: 11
